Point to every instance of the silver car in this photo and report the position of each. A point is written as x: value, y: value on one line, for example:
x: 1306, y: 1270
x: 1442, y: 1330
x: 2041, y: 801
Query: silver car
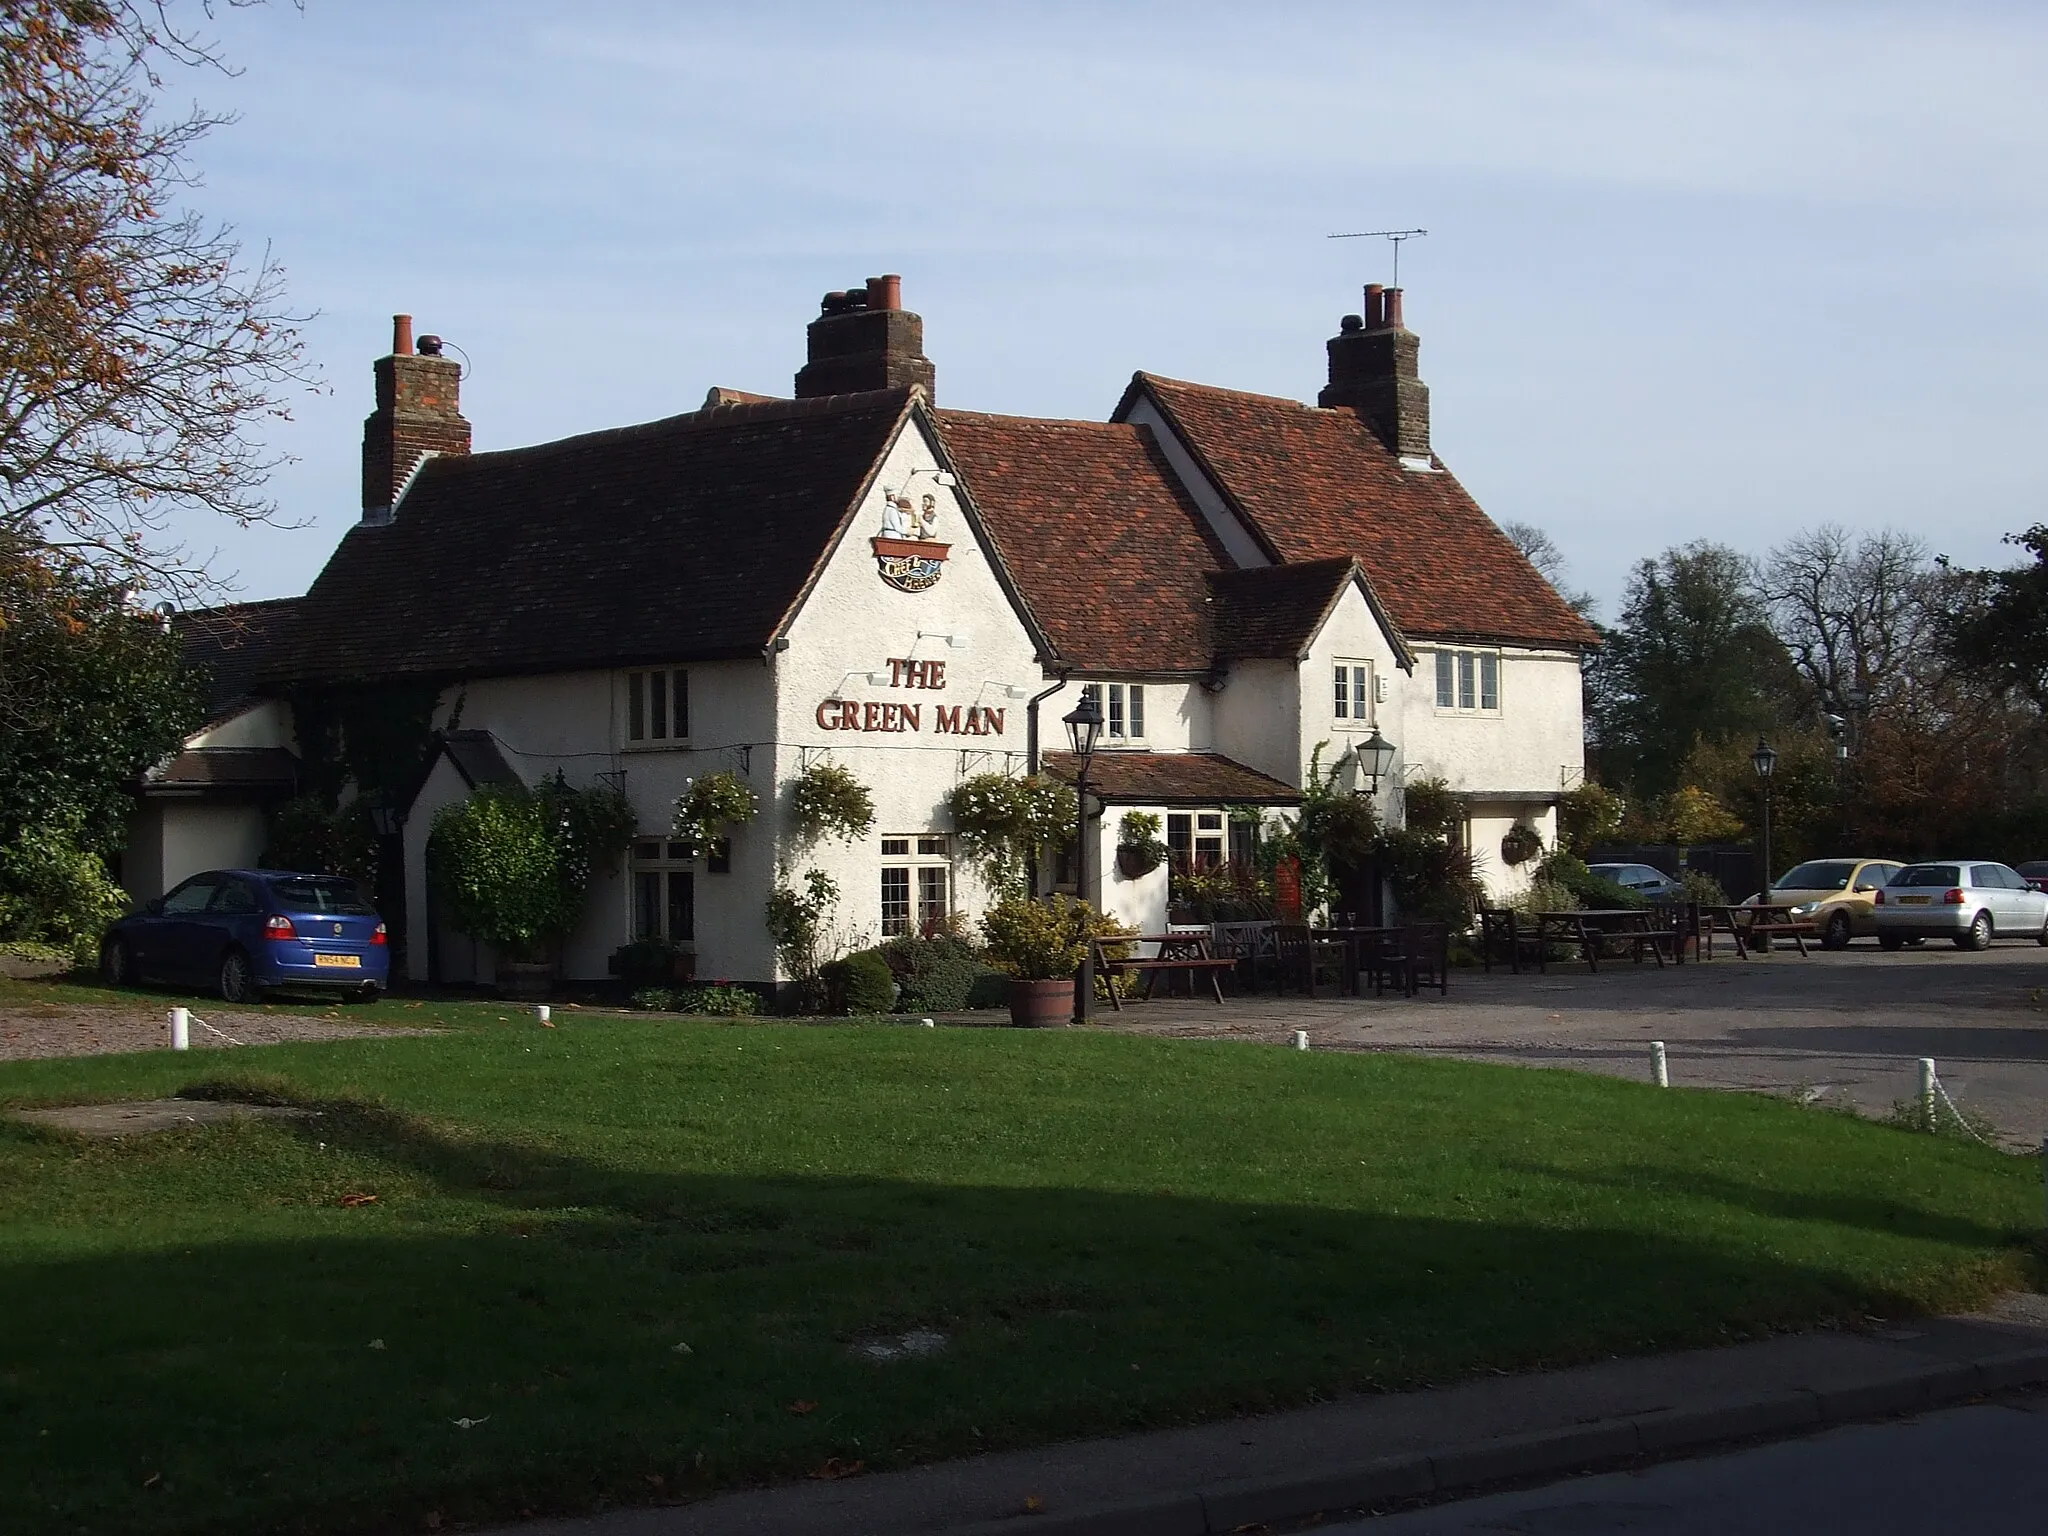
x: 1966, y: 901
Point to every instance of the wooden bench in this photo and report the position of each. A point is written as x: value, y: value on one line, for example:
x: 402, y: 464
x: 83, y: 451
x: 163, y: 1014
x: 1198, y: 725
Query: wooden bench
x: 1798, y: 933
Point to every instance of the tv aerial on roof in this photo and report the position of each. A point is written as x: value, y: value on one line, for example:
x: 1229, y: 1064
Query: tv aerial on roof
x: 1396, y: 236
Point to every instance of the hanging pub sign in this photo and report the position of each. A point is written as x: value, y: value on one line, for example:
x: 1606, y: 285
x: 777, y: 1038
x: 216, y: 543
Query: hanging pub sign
x: 906, y: 554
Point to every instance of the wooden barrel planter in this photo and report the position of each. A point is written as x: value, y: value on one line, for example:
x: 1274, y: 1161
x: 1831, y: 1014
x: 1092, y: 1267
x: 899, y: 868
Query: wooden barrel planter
x: 1041, y: 1004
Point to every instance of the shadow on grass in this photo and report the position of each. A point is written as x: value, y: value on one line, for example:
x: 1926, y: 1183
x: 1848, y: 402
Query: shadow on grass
x: 320, y: 1380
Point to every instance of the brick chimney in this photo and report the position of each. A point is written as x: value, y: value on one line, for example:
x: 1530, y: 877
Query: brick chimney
x: 864, y: 339
x: 419, y: 411
x: 1373, y: 370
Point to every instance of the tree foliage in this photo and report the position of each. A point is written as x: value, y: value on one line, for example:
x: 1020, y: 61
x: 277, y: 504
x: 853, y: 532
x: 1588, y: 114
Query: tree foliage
x: 513, y: 865
x: 1693, y: 659
x: 138, y: 347
x: 91, y: 693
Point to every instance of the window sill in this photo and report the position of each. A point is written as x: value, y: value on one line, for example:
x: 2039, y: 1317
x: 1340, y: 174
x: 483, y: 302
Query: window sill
x: 681, y: 744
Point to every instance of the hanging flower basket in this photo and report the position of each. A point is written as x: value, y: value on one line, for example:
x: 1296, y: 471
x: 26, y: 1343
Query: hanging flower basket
x: 1134, y: 861
x: 1521, y: 844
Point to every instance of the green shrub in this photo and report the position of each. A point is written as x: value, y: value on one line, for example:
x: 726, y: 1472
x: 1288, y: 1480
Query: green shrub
x: 647, y: 962
x: 936, y: 974
x: 716, y: 999
x: 1703, y: 888
x: 54, y: 892
x: 860, y: 983
x: 1592, y: 890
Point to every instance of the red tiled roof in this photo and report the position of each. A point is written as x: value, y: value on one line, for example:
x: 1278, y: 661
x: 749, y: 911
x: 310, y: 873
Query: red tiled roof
x: 1318, y: 484
x: 1174, y: 778
x: 1276, y: 610
x: 678, y: 540
x: 1098, y: 534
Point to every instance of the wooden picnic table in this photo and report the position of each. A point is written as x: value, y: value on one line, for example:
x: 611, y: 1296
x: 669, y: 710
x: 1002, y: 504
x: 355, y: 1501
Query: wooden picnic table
x: 1186, y: 952
x: 1590, y: 928
x: 1758, y: 919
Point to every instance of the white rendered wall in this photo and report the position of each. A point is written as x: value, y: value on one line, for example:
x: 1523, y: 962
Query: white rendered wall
x: 1536, y: 742
x: 852, y: 624
x: 267, y: 724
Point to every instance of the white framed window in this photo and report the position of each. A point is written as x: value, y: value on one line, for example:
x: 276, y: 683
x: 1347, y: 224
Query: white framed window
x: 1351, y: 696
x: 1123, y: 711
x: 657, y: 707
x: 1194, y: 840
x: 917, y: 883
x: 664, y: 890
x: 1468, y: 681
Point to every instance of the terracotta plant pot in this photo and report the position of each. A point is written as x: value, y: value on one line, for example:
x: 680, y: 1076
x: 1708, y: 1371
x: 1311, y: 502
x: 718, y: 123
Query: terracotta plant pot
x: 1041, y: 1004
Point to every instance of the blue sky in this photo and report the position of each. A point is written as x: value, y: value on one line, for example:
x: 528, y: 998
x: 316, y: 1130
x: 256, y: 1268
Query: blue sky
x: 1712, y: 271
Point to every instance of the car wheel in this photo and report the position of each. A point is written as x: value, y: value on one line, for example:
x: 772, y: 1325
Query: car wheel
x: 1890, y: 943
x: 118, y: 970
x: 237, y: 979
x: 1979, y: 934
x: 2042, y: 936
x: 1836, y: 934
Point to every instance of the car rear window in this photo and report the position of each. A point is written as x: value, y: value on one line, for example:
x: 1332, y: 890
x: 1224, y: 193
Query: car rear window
x: 313, y: 894
x: 1820, y: 875
x: 1928, y: 874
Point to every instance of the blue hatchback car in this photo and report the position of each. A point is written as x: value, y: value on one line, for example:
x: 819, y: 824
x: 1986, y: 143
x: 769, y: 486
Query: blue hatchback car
x: 240, y: 931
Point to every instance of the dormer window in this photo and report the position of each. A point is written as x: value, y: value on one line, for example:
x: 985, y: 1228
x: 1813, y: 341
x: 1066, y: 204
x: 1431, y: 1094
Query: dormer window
x: 1123, y: 711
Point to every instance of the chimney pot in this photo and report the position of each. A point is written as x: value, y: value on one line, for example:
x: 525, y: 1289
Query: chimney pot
x: 401, y: 335
x: 1392, y: 299
x: 865, y: 339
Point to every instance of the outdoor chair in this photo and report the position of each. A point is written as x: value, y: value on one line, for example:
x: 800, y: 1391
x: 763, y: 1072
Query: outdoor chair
x: 1428, y: 950
x: 1250, y: 945
x: 1304, y: 960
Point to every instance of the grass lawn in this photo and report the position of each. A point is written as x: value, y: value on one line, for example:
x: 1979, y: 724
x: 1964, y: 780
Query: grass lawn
x: 203, y: 1333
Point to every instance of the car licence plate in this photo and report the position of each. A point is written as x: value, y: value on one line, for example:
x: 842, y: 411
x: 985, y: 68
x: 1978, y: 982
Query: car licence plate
x: 1914, y: 901
x: 341, y: 962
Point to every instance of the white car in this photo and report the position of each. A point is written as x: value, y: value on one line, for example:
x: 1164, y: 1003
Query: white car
x: 1967, y: 901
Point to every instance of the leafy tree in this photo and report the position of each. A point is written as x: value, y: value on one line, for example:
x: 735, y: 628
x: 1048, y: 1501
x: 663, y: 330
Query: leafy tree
x: 1692, y: 660
x: 137, y: 347
x: 91, y: 693
x: 1999, y: 626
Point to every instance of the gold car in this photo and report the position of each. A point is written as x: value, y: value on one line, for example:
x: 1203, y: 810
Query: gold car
x: 1834, y: 895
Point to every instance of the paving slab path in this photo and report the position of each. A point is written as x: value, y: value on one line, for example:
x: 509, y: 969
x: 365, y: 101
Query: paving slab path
x: 1850, y: 1025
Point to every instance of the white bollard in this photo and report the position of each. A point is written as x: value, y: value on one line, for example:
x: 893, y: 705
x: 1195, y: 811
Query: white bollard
x: 1927, y: 1089
x: 181, y: 1029
x: 1660, y: 1072
x: 1301, y: 1039
x: 928, y: 1024
x: 542, y: 1013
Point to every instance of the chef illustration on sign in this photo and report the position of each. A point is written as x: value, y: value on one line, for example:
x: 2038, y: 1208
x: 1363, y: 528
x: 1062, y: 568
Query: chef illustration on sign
x: 900, y: 520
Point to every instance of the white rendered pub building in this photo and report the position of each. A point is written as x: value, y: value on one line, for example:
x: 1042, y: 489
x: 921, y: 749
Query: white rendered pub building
x: 917, y: 594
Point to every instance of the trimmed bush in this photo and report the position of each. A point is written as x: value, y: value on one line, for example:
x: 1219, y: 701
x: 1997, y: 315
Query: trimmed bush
x: 860, y: 983
x: 938, y: 974
x: 716, y: 999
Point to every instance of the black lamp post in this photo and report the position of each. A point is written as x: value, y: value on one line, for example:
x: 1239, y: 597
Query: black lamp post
x: 1084, y: 725
x: 1375, y: 758
x: 1764, y: 760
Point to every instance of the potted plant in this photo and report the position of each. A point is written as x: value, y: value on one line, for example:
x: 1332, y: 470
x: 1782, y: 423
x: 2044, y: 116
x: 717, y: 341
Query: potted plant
x: 1139, y: 849
x: 1039, y: 945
